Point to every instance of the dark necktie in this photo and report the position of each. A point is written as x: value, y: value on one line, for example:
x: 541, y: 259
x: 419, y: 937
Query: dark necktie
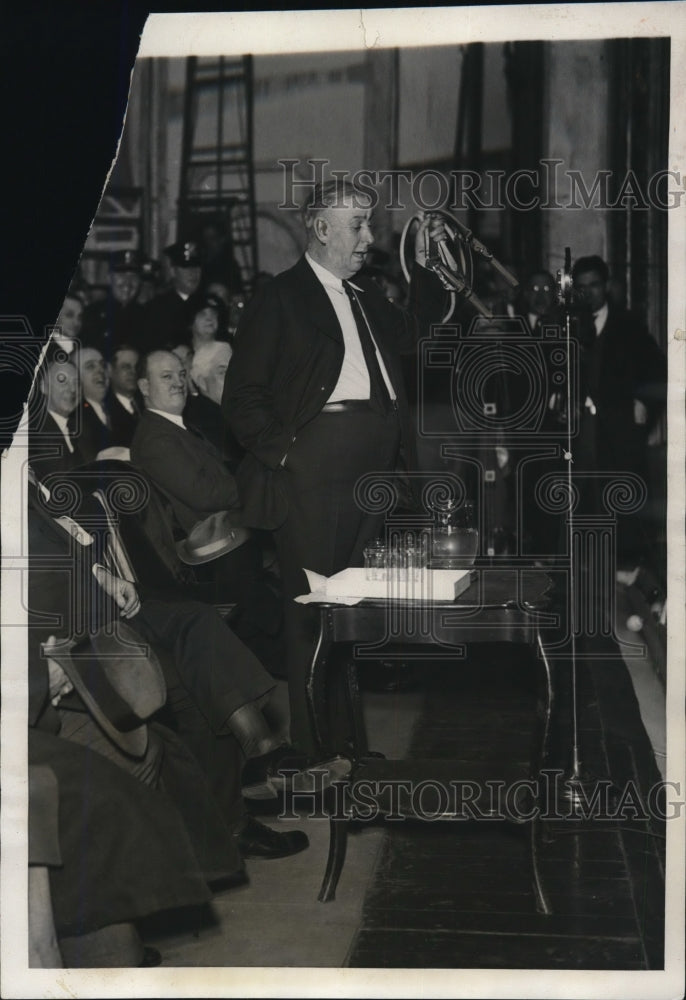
x: 379, y: 398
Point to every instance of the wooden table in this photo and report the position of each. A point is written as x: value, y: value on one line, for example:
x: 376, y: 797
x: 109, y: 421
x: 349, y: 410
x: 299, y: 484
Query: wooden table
x: 501, y: 605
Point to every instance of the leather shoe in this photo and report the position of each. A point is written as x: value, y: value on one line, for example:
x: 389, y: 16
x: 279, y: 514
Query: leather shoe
x: 264, y: 777
x: 255, y: 840
x: 260, y: 774
x: 151, y: 958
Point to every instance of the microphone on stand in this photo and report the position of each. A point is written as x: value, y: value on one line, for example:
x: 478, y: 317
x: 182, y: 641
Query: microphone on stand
x: 455, y: 283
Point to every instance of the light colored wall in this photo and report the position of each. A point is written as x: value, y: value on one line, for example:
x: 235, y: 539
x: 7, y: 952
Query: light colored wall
x: 576, y: 132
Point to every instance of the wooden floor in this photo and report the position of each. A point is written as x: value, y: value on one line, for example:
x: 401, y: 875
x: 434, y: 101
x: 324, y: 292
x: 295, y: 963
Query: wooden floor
x: 459, y: 895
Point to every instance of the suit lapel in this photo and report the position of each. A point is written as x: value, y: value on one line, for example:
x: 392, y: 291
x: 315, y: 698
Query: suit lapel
x: 320, y: 312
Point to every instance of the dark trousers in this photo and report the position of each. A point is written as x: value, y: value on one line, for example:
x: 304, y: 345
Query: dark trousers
x: 209, y: 674
x: 326, y: 531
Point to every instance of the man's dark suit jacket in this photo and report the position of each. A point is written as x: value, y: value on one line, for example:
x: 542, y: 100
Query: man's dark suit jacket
x: 48, y: 451
x: 92, y: 435
x: 186, y: 468
x: 206, y: 415
x: 624, y: 363
x: 123, y: 423
x: 287, y: 358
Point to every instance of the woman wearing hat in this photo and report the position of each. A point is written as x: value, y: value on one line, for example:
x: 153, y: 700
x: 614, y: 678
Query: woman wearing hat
x: 208, y: 322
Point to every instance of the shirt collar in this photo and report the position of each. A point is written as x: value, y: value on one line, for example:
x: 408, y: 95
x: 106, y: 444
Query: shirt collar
x: 61, y: 421
x: 98, y: 407
x: 328, y: 279
x: 174, y: 417
x: 125, y: 401
x: 600, y: 318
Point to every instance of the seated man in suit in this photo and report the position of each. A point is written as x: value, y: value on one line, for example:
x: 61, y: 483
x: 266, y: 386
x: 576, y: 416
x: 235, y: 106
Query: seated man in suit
x: 215, y: 686
x: 208, y: 371
x: 122, y: 402
x: 193, y: 476
x: 52, y: 445
x: 90, y: 420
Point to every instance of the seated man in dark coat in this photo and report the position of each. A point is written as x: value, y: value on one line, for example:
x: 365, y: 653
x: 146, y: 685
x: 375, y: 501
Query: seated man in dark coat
x: 215, y: 685
x: 91, y: 420
x: 53, y: 447
x: 150, y: 844
x: 193, y: 476
x: 122, y: 399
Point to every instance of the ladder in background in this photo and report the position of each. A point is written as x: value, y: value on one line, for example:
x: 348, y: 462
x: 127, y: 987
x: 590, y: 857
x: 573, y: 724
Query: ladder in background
x: 217, y: 166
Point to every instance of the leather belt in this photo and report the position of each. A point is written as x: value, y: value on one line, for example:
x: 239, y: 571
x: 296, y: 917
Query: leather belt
x: 352, y: 406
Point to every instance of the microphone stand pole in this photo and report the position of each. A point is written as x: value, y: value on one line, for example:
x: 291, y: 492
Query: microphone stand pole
x: 577, y: 782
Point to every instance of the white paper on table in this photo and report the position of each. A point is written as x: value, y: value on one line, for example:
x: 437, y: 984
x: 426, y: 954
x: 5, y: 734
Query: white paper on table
x: 351, y: 586
x: 318, y: 593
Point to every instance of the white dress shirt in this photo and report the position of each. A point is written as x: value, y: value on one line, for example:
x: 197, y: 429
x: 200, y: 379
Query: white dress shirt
x: 99, y: 411
x: 353, y: 381
x: 600, y: 319
x: 64, y: 427
x: 127, y: 403
x: 174, y: 417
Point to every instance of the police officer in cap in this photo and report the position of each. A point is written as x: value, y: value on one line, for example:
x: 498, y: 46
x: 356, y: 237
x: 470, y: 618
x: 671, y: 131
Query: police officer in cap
x: 168, y: 316
x: 118, y: 318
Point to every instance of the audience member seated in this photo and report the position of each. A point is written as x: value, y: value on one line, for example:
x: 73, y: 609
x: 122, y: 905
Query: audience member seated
x: 185, y: 355
x: 69, y: 323
x: 118, y: 318
x: 203, y: 410
x: 90, y: 421
x: 205, y: 323
x: 52, y: 444
x: 124, y: 853
x: 168, y: 316
x: 229, y: 317
x: 215, y: 687
x: 191, y: 473
x: 122, y: 401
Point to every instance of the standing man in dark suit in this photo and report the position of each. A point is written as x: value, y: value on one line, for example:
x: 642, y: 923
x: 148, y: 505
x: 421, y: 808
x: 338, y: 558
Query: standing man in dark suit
x: 168, y: 316
x: 623, y: 388
x: 315, y: 394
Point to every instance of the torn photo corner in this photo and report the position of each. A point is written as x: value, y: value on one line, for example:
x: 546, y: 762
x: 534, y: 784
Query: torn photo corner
x: 546, y: 146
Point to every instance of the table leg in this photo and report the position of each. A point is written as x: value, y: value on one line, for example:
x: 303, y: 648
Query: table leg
x: 316, y: 686
x: 338, y: 842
